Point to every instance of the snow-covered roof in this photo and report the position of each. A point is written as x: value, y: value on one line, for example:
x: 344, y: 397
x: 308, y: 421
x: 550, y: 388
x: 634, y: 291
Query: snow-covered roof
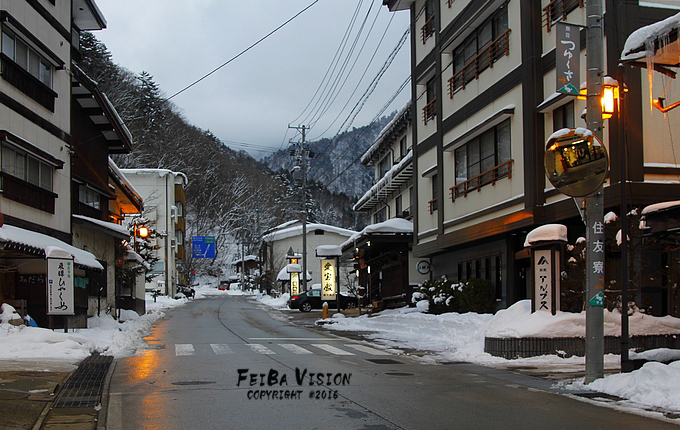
x: 159, y: 172
x: 328, y: 251
x: 403, y: 117
x: 123, y: 180
x: 546, y: 233
x: 394, y: 178
x: 246, y: 259
x: 311, y: 227
x: 41, y: 242
x: 117, y: 229
x: 657, y: 42
x: 660, y: 207
x: 284, y: 274
x: 392, y: 226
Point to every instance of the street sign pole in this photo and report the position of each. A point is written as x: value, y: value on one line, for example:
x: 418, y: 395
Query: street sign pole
x: 594, y: 203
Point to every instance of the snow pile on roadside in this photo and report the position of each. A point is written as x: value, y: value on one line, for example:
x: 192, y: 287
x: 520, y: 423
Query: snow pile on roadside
x: 280, y: 302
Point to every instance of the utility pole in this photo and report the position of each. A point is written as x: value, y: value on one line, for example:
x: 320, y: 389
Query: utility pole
x: 303, y: 161
x: 595, y: 202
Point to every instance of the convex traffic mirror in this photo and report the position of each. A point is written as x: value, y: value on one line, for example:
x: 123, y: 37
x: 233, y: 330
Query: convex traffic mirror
x: 575, y: 161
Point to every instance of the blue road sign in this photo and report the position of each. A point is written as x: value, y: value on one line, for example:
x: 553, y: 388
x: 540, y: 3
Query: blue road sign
x: 203, y: 246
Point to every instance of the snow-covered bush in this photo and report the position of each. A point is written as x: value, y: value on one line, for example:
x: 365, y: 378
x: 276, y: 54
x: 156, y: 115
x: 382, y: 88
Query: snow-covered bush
x: 442, y: 295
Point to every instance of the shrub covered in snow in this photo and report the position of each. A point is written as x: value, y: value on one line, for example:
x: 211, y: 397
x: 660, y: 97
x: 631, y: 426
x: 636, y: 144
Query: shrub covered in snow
x: 442, y: 295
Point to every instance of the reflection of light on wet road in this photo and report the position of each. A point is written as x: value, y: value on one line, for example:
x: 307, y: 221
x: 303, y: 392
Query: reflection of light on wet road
x: 143, y: 365
x: 154, y: 413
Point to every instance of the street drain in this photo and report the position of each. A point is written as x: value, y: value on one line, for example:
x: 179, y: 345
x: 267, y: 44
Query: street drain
x: 193, y: 382
x: 399, y: 373
x: 383, y: 361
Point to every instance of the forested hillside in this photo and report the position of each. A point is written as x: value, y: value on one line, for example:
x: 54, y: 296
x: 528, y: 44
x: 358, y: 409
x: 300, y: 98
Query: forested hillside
x: 230, y: 194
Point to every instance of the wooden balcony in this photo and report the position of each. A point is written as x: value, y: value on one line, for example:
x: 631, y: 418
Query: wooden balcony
x: 26, y: 193
x: 557, y: 10
x: 484, y: 60
x: 429, y: 111
x: 427, y: 30
x: 476, y: 183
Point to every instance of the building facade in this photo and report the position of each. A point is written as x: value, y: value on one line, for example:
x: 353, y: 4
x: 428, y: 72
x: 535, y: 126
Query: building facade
x: 164, y: 210
x: 483, y: 86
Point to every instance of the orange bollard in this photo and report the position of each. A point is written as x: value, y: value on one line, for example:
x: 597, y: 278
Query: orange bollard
x: 324, y: 310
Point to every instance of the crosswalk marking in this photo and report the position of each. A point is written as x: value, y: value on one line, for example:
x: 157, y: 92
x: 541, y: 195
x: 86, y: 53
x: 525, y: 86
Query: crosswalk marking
x: 332, y: 349
x: 295, y: 349
x: 184, y: 349
x: 368, y: 349
x: 221, y: 348
x: 260, y: 349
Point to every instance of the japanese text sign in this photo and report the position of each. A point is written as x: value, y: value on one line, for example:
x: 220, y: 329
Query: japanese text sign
x: 543, y: 285
x: 60, y: 295
x: 567, y: 56
x: 328, y: 287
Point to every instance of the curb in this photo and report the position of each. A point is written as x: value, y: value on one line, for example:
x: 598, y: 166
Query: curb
x: 103, y: 414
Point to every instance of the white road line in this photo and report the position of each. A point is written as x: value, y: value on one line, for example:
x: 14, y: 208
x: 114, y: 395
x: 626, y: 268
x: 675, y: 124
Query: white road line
x: 367, y: 349
x: 114, y: 416
x: 295, y: 349
x: 332, y: 349
x: 293, y: 338
x: 184, y: 349
x: 260, y: 349
x: 221, y: 348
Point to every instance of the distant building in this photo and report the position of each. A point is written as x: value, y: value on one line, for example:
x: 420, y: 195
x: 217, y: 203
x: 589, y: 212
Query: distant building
x: 164, y: 206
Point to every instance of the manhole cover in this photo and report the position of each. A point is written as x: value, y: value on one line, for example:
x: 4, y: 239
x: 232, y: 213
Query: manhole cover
x: 383, y: 361
x: 399, y: 373
x: 193, y: 383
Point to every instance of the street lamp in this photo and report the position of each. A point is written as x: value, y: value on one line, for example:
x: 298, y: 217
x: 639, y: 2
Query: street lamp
x: 609, y: 100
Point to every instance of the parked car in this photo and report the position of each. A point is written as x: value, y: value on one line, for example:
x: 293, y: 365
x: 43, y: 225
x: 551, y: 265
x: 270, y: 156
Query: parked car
x: 224, y: 285
x: 305, y: 302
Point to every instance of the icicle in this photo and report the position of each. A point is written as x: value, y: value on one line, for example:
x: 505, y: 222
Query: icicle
x: 649, y: 47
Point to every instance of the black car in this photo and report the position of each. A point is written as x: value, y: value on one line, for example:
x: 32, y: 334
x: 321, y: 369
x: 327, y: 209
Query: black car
x: 305, y: 302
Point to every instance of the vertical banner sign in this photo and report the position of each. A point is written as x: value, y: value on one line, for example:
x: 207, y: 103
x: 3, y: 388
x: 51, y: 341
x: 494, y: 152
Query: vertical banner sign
x: 294, y: 284
x: 598, y: 263
x: 328, y: 287
x: 567, y: 58
x: 60, y: 300
x: 543, y: 280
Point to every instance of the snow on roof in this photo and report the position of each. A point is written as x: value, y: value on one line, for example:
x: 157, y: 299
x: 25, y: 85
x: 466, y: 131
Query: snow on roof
x: 284, y: 274
x: 384, y: 180
x: 640, y: 44
x: 660, y: 207
x: 247, y: 258
x: 297, y: 231
x: 121, y: 177
x: 404, y: 114
x: 565, y: 131
x: 390, y: 227
x: 328, y: 251
x: 159, y: 172
x: 546, y: 233
x: 11, y: 234
x: 116, y: 228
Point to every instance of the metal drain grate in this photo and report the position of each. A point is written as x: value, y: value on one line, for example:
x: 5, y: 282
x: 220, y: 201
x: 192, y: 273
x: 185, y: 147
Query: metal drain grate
x: 84, y: 388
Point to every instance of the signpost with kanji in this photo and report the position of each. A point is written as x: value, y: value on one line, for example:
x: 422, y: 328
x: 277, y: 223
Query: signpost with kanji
x: 328, y: 277
x: 203, y: 246
x: 60, y: 294
x: 567, y: 56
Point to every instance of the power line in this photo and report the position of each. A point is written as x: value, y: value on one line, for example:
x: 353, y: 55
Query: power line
x: 244, y: 51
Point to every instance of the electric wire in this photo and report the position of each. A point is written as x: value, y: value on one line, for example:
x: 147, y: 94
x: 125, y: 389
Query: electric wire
x: 244, y: 51
x: 335, y: 57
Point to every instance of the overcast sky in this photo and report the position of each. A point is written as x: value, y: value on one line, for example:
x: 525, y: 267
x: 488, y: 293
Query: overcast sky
x: 253, y: 99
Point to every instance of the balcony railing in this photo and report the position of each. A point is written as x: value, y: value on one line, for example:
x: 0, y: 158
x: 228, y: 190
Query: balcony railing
x: 429, y: 111
x: 427, y: 30
x: 476, y: 183
x: 557, y: 10
x: 27, y: 83
x: 493, y: 52
x: 13, y: 188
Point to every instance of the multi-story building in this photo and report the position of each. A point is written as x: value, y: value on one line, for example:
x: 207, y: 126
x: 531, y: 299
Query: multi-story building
x: 164, y: 206
x: 385, y: 245
x: 484, y: 104
x: 44, y: 129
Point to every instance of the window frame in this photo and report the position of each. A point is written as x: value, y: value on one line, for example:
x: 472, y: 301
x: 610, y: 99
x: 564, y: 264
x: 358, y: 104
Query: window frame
x: 23, y: 172
x: 32, y: 56
x: 566, y: 118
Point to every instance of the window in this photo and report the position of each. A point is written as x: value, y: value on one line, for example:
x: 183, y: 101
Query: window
x: 26, y: 167
x: 26, y: 57
x: 179, y: 237
x: 89, y: 197
x: 403, y: 147
x: 480, y: 50
x: 435, y: 194
x: 430, y: 110
x: 398, y: 206
x: 557, y: 10
x: 428, y: 29
x: 180, y: 209
x: 482, y: 160
x: 384, y: 166
x: 319, y: 232
x: 563, y: 116
x: 380, y: 216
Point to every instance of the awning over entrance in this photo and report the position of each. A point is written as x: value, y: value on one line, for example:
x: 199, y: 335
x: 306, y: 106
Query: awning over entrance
x: 15, y: 241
